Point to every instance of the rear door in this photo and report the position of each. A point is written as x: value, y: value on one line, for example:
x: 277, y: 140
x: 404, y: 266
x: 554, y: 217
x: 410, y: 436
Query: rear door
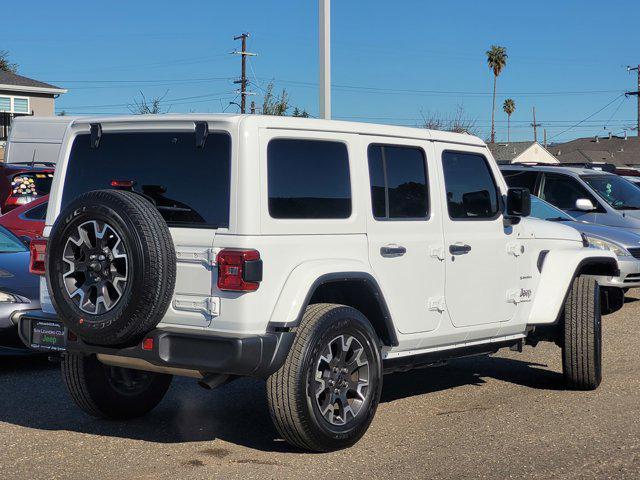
x: 190, y: 187
x: 405, y: 233
x: 481, y: 251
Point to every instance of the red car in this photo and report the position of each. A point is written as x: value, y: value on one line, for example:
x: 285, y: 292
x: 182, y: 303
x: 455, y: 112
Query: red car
x: 23, y: 183
x: 27, y: 220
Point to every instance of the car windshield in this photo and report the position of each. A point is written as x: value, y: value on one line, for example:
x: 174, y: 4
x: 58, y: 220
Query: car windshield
x: 545, y: 211
x: 9, y: 243
x: 616, y: 191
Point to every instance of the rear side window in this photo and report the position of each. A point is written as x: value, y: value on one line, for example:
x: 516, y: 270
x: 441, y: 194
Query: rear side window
x: 521, y: 179
x: 398, y: 179
x: 308, y: 179
x: 472, y: 193
x: 189, y: 185
x: 38, y: 212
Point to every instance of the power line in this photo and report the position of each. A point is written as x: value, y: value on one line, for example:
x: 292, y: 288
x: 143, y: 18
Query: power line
x: 587, y: 118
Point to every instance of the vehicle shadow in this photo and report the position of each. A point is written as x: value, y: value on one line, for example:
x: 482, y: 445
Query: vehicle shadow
x: 35, y: 397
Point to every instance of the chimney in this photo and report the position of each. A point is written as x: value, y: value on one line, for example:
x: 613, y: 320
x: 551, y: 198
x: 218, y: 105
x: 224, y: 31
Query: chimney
x: 597, y: 139
x: 625, y: 134
x: 609, y: 135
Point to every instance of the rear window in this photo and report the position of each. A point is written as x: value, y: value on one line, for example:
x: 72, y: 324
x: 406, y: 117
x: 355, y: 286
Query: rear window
x: 308, y: 179
x: 31, y: 184
x: 38, y: 212
x: 190, y: 186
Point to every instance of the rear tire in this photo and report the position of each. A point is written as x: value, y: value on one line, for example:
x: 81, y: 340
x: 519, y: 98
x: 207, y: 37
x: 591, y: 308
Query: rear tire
x: 325, y: 395
x: 582, y: 345
x: 114, y: 393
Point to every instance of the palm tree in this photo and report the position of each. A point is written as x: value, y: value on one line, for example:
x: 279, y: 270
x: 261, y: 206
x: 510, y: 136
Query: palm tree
x: 509, y: 106
x: 496, y: 59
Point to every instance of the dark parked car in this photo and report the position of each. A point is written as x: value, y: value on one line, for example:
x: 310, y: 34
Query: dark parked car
x: 19, y: 289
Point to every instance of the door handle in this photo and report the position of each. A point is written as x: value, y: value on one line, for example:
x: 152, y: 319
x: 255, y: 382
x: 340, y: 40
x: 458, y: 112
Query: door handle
x: 457, y: 249
x: 392, y: 251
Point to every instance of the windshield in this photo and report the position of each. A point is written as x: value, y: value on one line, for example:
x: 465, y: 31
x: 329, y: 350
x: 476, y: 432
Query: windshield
x: 616, y: 191
x: 545, y: 211
x: 9, y: 243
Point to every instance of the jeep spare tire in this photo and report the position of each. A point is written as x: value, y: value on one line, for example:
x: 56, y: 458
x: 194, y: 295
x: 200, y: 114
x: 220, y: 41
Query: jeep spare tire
x: 111, y: 267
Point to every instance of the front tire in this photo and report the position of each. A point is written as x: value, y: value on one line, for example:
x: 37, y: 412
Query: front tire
x: 582, y: 345
x: 114, y: 393
x: 326, y: 394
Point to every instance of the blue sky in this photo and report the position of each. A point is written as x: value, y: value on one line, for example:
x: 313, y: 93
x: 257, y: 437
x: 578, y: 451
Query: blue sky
x: 391, y: 60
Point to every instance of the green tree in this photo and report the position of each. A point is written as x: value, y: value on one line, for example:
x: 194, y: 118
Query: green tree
x: 509, y: 106
x: 275, y: 105
x: 5, y: 64
x: 300, y: 113
x: 496, y: 60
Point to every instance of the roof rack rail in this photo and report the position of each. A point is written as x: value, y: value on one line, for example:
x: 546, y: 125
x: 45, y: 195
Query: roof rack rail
x: 605, y: 167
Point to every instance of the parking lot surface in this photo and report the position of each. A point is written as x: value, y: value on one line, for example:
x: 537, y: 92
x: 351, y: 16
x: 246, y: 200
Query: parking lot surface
x: 506, y: 416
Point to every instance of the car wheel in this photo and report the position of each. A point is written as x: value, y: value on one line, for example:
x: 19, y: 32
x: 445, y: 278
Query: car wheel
x: 112, y: 392
x: 111, y: 267
x: 325, y: 395
x: 582, y: 345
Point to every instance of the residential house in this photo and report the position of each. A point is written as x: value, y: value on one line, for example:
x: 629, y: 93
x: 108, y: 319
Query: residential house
x: 621, y: 151
x: 24, y: 96
x: 521, y: 152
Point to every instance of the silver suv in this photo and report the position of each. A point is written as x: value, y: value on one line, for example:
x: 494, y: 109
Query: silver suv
x: 589, y: 195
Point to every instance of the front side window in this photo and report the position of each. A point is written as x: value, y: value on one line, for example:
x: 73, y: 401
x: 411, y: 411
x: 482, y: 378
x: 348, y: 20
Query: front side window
x: 563, y: 191
x: 472, y: 193
x: 189, y: 186
x: 616, y: 191
x: 308, y: 179
x: 398, y: 179
x: 545, y: 211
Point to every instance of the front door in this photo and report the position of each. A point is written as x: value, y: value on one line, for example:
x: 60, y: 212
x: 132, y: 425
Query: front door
x: 481, y: 256
x: 405, y: 233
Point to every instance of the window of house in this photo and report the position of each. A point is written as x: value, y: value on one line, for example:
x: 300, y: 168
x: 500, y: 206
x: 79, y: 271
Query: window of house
x: 398, y: 179
x: 472, y: 192
x: 308, y: 179
x: 20, y: 105
x: 5, y: 104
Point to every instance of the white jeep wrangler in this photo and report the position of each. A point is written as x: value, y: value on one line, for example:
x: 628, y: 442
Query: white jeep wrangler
x: 315, y: 254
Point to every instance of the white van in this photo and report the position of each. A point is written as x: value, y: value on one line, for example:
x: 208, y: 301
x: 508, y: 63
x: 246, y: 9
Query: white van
x: 36, y: 139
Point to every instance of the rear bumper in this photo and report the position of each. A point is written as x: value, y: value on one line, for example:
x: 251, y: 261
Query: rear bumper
x: 243, y: 355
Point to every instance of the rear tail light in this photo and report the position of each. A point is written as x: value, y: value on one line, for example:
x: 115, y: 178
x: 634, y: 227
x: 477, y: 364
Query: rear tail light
x: 239, y: 270
x: 38, y: 249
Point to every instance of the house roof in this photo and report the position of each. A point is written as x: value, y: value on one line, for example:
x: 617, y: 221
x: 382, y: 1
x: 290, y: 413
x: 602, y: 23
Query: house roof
x: 506, y: 152
x: 18, y: 83
x: 614, y: 149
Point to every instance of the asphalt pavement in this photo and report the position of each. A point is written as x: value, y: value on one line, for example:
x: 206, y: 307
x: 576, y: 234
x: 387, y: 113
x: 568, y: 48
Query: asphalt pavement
x: 505, y: 416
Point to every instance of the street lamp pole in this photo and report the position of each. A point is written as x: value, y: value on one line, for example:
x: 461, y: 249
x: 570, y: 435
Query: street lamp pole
x: 324, y: 28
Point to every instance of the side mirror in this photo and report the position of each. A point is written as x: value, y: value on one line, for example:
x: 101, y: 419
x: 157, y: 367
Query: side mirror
x: 518, y: 202
x: 584, y: 205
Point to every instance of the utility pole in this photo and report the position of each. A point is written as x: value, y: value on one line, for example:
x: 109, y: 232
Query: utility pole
x: 253, y: 107
x: 535, y: 126
x: 637, y: 94
x: 545, y: 138
x: 243, y: 79
x: 324, y: 50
